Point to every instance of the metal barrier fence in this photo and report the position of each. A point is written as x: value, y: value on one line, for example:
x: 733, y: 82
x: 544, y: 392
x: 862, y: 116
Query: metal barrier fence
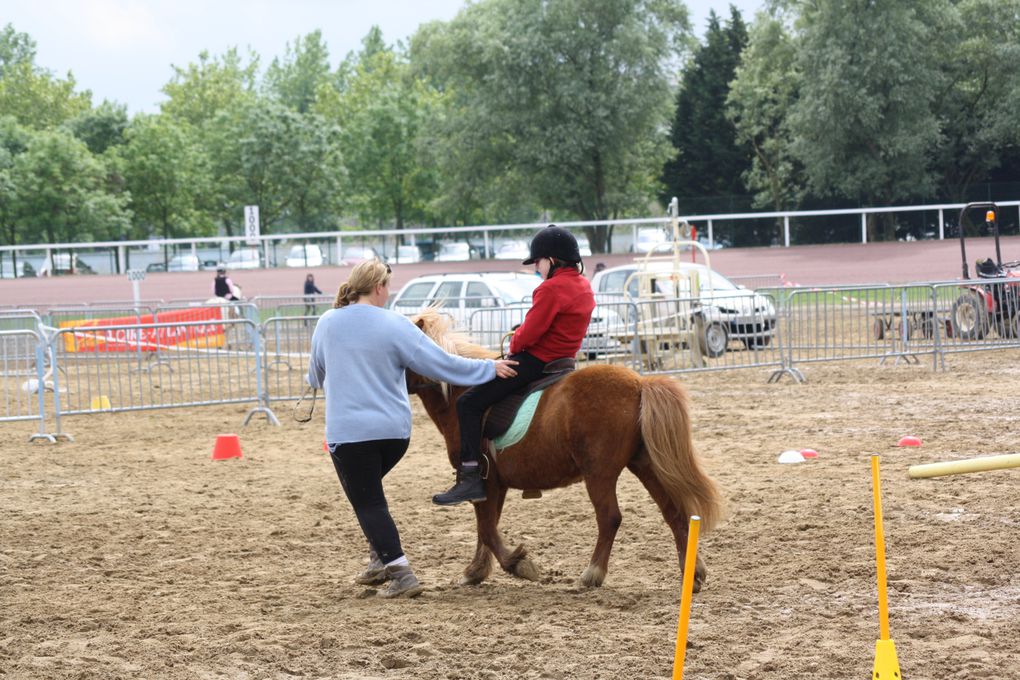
x: 100, y: 371
x: 286, y: 343
x: 94, y: 364
x: 23, y: 380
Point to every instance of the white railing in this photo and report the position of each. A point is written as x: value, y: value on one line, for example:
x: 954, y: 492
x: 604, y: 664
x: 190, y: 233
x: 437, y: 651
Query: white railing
x: 115, y: 253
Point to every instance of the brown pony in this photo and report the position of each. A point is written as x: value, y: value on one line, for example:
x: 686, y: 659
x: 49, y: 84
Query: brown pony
x: 588, y: 426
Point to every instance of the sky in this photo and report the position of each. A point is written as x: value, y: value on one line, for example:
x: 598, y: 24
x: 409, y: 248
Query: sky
x: 125, y: 50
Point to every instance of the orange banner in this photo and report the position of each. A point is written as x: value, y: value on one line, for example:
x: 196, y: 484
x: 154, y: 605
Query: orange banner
x: 205, y: 336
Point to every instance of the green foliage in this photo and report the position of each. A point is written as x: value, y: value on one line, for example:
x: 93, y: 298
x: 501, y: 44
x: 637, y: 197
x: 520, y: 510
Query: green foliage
x: 282, y: 160
x: 37, y: 99
x: 294, y: 80
x: 765, y: 86
x: 165, y: 169
x: 100, y: 128
x: 566, y: 99
x: 62, y: 194
x: 710, y: 159
x: 15, y: 48
x: 198, y: 92
x: 979, y: 108
x: 863, y: 125
x: 381, y: 113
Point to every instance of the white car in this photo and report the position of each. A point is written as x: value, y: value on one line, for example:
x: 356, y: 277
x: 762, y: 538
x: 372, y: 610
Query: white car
x: 650, y: 239
x: 729, y: 311
x: 513, y: 250
x: 355, y: 254
x: 184, y: 262
x: 307, y: 255
x: 453, y: 252
x: 489, y: 305
x: 245, y: 258
x: 584, y: 246
x: 408, y: 255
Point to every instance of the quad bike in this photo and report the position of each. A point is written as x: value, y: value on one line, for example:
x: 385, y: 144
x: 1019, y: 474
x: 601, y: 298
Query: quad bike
x: 988, y: 304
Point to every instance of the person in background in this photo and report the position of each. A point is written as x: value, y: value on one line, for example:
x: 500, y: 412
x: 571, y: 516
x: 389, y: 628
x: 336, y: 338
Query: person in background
x: 599, y: 267
x: 223, y: 287
x: 310, y: 290
x: 360, y: 351
x: 552, y: 329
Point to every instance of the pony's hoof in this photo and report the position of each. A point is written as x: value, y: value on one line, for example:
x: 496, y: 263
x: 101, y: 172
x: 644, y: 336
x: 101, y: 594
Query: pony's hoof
x: 592, y: 577
x: 527, y: 570
x: 471, y: 579
x: 700, y: 575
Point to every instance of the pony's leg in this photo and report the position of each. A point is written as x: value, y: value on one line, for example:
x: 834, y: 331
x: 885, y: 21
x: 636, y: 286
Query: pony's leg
x: 675, y: 518
x: 602, y: 492
x: 481, y: 566
x: 514, y: 562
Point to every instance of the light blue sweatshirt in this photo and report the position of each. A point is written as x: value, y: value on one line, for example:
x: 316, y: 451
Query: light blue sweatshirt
x: 359, y: 354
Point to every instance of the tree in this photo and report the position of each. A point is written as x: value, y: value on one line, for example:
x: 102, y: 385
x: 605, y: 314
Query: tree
x: 101, y: 128
x: 979, y: 108
x: 381, y: 114
x: 199, y: 92
x: 295, y: 80
x: 165, y: 171
x: 863, y: 125
x: 37, y: 99
x: 763, y: 90
x: 568, y: 98
x: 710, y: 160
x: 15, y: 48
x: 62, y: 194
x: 13, y: 142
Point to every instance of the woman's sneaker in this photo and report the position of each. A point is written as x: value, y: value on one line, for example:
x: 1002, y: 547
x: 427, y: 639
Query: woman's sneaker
x: 403, y: 582
x: 375, y: 572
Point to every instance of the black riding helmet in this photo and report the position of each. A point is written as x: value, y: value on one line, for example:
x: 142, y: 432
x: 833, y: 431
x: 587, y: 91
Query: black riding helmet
x: 555, y: 242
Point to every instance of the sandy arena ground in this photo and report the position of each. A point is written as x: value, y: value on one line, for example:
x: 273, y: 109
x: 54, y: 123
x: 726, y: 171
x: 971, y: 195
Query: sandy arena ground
x: 130, y: 554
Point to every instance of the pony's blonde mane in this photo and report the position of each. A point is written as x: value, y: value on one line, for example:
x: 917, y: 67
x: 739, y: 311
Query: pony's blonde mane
x: 439, y: 327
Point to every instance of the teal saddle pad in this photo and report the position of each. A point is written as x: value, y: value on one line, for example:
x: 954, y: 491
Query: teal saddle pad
x: 519, y: 427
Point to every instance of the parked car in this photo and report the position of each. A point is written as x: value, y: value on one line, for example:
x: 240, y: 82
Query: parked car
x: 8, y: 271
x: 728, y: 311
x: 507, y: 294
x: 650, y: 239
x: 584, y: 246
x: 355, y: 254
x: 155, y: 267
x: 305, y: 255
x: 408, y: 254
x: 245, y: 258
x: 513, y: 250
x: 453, y: 252
x: 64, y: 263
x: 183, y: 262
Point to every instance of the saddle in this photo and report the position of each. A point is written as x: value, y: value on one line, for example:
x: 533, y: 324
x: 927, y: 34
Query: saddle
x: 501, y: 415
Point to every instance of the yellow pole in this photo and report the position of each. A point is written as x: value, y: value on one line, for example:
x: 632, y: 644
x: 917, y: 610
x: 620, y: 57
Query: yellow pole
x: 886, y: 665
x: 690, y: 564
x: 956, y: 467
x: 883, y: 605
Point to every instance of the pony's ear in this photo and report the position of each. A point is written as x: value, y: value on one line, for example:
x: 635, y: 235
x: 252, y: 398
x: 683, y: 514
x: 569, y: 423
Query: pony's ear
x: 420, y: 323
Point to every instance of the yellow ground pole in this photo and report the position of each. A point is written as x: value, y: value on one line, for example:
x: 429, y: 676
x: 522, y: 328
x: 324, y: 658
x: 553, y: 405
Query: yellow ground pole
x: 956, y: 467
x: 886, y: 666
x: 690, y: 563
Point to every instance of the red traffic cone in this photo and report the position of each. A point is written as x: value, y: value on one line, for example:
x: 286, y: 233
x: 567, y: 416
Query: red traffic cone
x: 227, y: 446
x: 325, y: 446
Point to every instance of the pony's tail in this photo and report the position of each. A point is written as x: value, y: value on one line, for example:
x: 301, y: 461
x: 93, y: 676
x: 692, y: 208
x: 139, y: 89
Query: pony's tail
x: 666, y: 431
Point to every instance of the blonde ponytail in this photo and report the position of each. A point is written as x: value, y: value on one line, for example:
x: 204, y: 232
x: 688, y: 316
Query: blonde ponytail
x: 364, y: 278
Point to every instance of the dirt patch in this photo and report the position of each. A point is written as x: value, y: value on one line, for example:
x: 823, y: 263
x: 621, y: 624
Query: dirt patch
x: 129, y: 553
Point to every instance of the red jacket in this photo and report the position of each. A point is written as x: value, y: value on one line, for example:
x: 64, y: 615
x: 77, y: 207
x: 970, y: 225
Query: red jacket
x: 558, y: 319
